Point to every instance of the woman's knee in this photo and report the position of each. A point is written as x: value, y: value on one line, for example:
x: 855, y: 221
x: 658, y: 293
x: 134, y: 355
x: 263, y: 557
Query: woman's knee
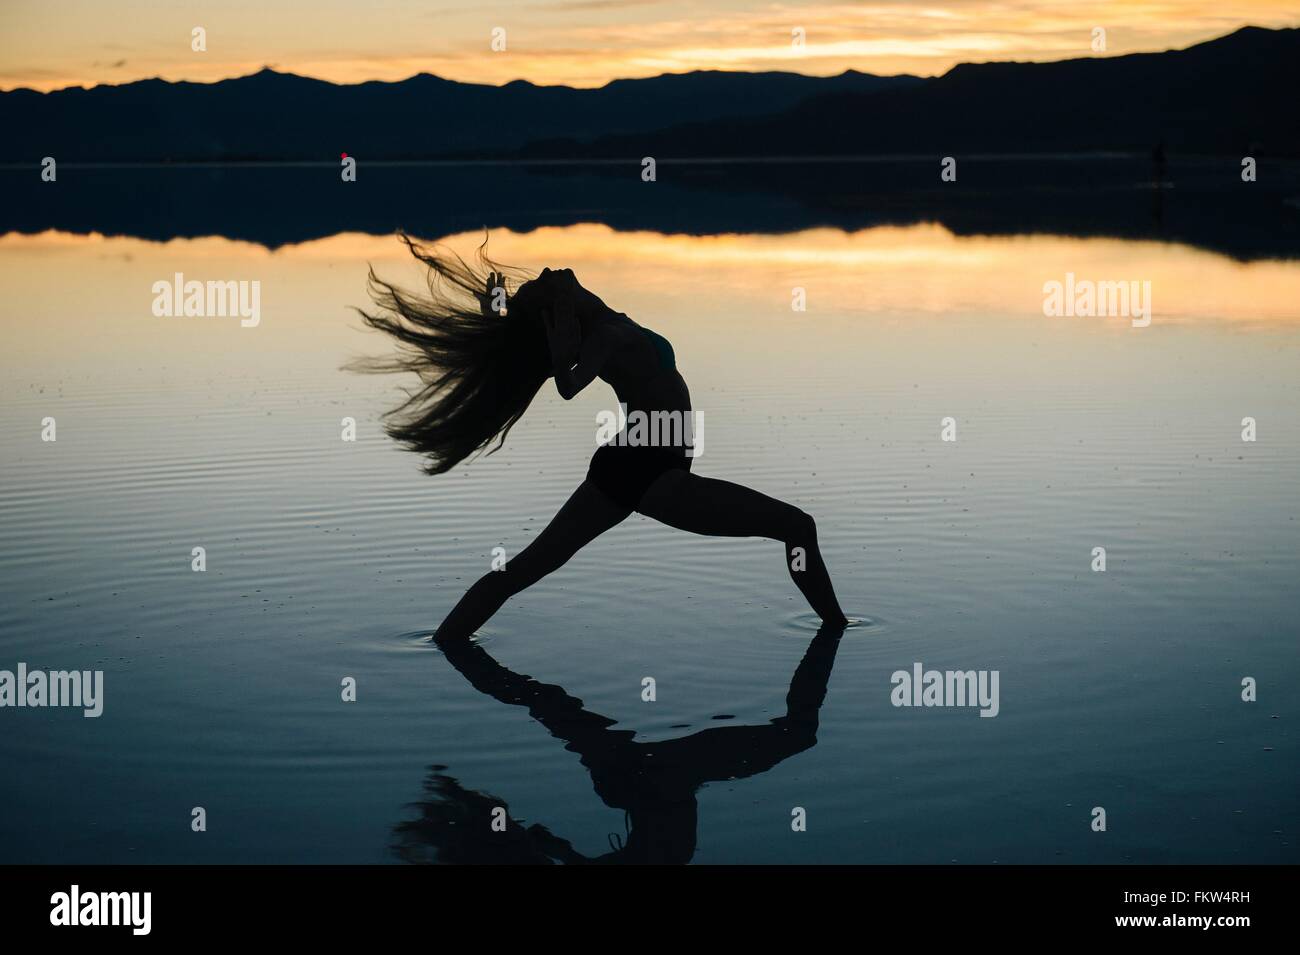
x: 799, y: 526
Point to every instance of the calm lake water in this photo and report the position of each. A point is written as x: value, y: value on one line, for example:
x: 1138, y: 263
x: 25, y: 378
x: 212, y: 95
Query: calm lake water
x: 329, y: 559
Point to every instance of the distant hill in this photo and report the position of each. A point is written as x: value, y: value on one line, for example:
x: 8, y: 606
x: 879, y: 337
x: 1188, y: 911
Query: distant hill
x: 281, y: 116
x: 1234, y: 95
x: 1229, y: 96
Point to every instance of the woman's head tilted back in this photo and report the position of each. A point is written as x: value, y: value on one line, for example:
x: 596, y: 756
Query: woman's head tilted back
x: 478, y: 368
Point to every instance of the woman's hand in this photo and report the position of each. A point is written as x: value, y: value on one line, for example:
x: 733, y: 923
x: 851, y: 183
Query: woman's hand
x: 577, y: 357
x: 492, y: 300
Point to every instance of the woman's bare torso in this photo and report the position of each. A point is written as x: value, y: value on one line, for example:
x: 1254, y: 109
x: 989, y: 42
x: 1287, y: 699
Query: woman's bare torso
x: 635, y: 371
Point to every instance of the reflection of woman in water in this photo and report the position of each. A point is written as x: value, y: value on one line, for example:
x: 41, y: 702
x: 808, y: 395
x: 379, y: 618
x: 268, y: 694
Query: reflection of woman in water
x: 654, y: 783
x: 481, y: 358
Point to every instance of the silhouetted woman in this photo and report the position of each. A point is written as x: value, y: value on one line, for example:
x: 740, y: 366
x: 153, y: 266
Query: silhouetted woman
x: 482, y: 354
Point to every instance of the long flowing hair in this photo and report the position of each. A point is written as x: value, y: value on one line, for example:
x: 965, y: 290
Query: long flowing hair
x: 478, y: 369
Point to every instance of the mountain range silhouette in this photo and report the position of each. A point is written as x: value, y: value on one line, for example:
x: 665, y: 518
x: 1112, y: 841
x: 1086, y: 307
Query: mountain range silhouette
x: 1229, y: 96
x: 281, y: 116
x: 1234, y: 95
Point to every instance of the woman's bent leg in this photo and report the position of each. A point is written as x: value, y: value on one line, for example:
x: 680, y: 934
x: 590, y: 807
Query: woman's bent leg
x: 722, y: 509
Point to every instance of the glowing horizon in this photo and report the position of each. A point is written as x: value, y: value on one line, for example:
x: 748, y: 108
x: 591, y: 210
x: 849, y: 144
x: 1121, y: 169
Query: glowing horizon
x: 581, y: 43
x: 915, y: 270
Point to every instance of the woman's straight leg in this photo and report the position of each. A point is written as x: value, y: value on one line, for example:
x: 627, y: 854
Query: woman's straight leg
x: 586, y: 515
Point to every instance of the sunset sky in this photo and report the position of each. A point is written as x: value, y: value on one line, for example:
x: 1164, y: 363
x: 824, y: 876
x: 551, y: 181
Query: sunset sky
x: 48, y: 45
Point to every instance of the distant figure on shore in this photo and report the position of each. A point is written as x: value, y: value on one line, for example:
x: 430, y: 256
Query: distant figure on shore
x: 482, y: 355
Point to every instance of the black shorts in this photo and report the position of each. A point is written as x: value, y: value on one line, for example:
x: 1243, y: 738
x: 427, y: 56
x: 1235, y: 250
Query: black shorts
x: 625, y: 472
